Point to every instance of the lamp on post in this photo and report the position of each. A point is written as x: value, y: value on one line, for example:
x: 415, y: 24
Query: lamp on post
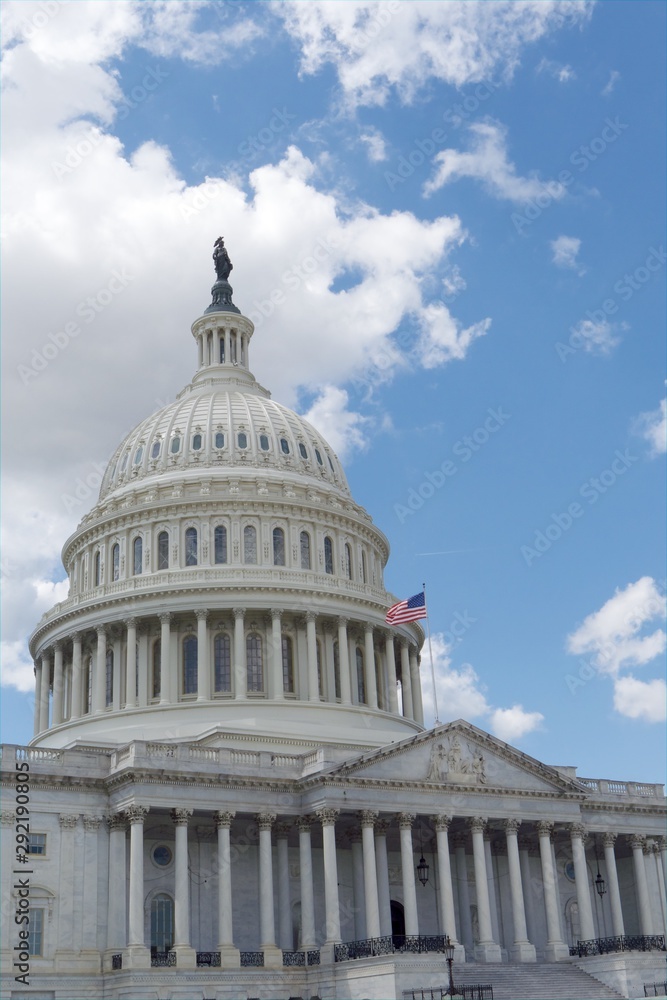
x: 449, y: 958
x: 422, y: 867
x: 600, y: 884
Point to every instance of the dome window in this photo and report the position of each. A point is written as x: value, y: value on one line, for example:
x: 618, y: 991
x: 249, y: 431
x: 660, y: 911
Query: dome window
x: 191, y: 547
x: 197, y: 442
x: 163, y: 550
x: 175, y: 445
x: 288, y: 665
x: 255, y: 663
x: 156, y: 686
x: 123, y: 464
x: 138, y: 455
x: 155, y: 450
x: 98, y: 561
x: 304, y: 542
x: 115, y: 562
x: 284, y: 446
x: 220, y: 544
x: 303, y: 451
x: 328, y: 556
x: 264, y: 442
x: 108, y: 686
x: 242, y: 440
x: 190, y: 664
x: 318, y: 457
x: 348, y: 562
x: 250, y: 545
x: 331, y: 463
x: 219, y: 439
x: 137, y: 556
x: 278, y: 547
x: 222, y: 655
x: 361, y: 681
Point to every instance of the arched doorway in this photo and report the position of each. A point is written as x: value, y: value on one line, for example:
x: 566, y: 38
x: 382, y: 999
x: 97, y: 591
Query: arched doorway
x: 162, y: 922
x: 397, y: 923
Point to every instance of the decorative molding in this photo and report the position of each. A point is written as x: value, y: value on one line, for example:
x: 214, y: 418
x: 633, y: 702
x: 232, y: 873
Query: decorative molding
x: 368, y: 817
x: 92, y: 823
x: 223, y: 819
x: 511, y: 825
x: 136, y: 813
x: 181, y: 816
x: 441, y: 822
x: 68, y: 820
x: 303, y: 823
x: 326, y: 816
x: 405, y: 821
x: 265, y: 820
x: 477, y: 824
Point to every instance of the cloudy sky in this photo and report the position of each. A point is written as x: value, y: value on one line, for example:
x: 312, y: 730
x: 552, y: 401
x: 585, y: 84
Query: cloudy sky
x: 447, y: 224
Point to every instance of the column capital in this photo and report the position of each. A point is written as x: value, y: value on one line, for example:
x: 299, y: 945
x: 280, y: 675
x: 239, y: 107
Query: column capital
x: 282, y: 830
x: 181, y: 816
x: 303, y: 823
x: 441, y: 822
x: 578, y: 830
x: 609, y: 839
x: 164, y: 617
x: 130, y: 622
x: 117, y: 821
x: 405, y: 821
x: 68, y: 820
x: 381, y: 827
x: 511, y: 825
x: 58, y: 645
x: 276, y: 613
x: 544, y: 828
x: 238, y: 613
x: 343, y: 622
x: 76, y: 636
x: 7, y: 818
x: 655, y: 848
x: 92, y: 822
x: 369, y: 627
x: 662, y: 843
x: 310, y: 616
x: 477, y: 824
x: 202, y: 614
x: 636, y: 840
x: 647, y: 848
x: 326, y: 816
x: 265, y: 820
x: 223, y: 819
x: 101, y: 630
x: 136, y: 814
x: 368, y: 818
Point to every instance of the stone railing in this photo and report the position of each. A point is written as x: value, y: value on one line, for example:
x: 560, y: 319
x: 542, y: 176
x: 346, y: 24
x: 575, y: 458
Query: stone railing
x: 603, y: 786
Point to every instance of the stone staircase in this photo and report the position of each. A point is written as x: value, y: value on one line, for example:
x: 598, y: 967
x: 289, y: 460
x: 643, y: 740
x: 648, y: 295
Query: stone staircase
x: 551, y: 981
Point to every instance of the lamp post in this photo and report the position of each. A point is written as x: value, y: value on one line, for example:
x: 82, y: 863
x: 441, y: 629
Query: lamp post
x: 422, y: 867
x: 449, y: 958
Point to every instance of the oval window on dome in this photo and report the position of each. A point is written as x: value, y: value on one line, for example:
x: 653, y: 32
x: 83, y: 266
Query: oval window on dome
x: 123, y: 464
x: 303, y: 451
x: 264, y: 442
x: 284, y: 446
x: 318, y: 457
x: 175, y: 445
x: 242, y: 439
x: 196, y: 442
x: 219, y: 439
x: 331, y: 463
x: 138, y: 455
x: 155, y: 450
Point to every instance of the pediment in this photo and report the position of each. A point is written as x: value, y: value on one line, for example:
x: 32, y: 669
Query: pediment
x: 458, y: 755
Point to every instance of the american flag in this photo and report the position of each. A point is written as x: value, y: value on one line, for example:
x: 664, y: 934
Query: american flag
x: 407, y: 611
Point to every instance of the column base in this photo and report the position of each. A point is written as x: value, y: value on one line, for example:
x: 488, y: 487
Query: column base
x: 186, y: 957
x: 487, y: 951
x: 556, y: 951
x: 136, y: 956
x: 523, y: 951
x: 327, y: 952
x: 459, y: 953
x: 273, y: 956
x: 230, y: 957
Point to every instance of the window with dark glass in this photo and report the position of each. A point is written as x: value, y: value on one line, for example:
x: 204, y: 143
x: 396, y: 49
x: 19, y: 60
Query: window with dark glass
x: 363, y: 567
x: 320, y: 675
x: 115, y: 561
x: 303, y: 451
x: 264, y: 442
x: 284, y: 446
x: 196, y: 442
x: 191, y: 547
x: 138, y: 455
x: 288, y: 665
x: 162, y: 923
x: 348, y: 562
x: 36, y: 931
x: 250, y: 545
x: 137, y: 549
x: 222, y: 663
x: 37, y: 843
x: 220, y: 544
x: 328, y: 555
x: 254, y: 662
x: 155, y: 450
x: 331, y: 463
x: 222, y: 350
x: 157, y: 668
x: 278, y: 547
x: 304, y: 543
x: 163, y: 550
x: 108, y: 698
x: 318, y: 457
x: 175, y: 445
x: 190, y: 664
x: 98, y: 563
x: 219, y: 439
x: 336, y: 666
x: 361, y: 681
x: 242, y: 439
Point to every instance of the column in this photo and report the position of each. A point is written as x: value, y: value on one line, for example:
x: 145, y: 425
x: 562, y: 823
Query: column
x: 185, y: 955
x: 370, y: 874
x: 586, y: 925
x: 277, y: 688
x: 446, y: 893
x: 57, y: 684
x: 65, y: 952
x: 657, y: 875
x: 382, y: 865
x: 528, y: 884
x: 491, y: 883
x: 369, y: 668
x: 354, y: 836
x: 91, y: 826
x: 44, y: 693
x: 556, y: 950
x: 459, y: 842
x: 306, y: 881
x: 142, y: 667
x: 662, y: 844
x: 166, y: 684
x: 77, y: 677
x: 116, y: 921
x: 405, y: 821
x: 328, y: 819
x: 229, y: 955
x: 391, y: 672
x: 38, y: 693
x: 415, y: 680
x: 137, y: 954
x: 406, y: 682
x: 522, y: 950
x: 8, y: 864
x: 618, y: 927
x: 228, y: 349
x: 285, y: 937
x: 240, y: 673
x: 486, y: 950
x: 131, y: 663
x: 636, y: 842
x: 203, y: 661
x: 313, y: 680
x: 344, y: 663
x: 117, y: 671
x: 100, y: 672
x: 273, y: 956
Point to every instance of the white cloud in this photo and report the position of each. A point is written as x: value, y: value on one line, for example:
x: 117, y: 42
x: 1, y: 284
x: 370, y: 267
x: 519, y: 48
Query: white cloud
x: 614, y: 77
x: 560, y: 72
x: 442, y: 338
x: 510, y: 724
x: 375, y: 143
x: 343, y: 429
x: 565, y: 250
x: 645, y: 700
x: 487, y: 162
x: 653, y: 426
x: 596, y: 337
x: 379, y: 47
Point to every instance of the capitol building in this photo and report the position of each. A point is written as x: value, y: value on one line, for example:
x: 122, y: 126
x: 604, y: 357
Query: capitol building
x: 230, y: 791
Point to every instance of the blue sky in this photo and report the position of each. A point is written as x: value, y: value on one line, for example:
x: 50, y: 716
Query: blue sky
x: 447, y: 223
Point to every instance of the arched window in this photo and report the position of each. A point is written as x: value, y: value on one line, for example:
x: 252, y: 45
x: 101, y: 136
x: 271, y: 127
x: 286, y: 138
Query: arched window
x: 328, y: 555
x: 222, y: 657
x: 137, y: 556
x: 191, y: 547
x: 196, y: 442
x: 220, y: 544
x: 320, y: 675
x: 157, y: 668
x: 163, y: 550
x: 98, y: 563
x: 361, y: 682
x: 250, y: 545
x: 363, y: 567
x: 278, y: 547
x: 155, y: 449
x: 242, y: 440
x: 304, y: 542
x: 88, y: 687
x: 108, y: 698
x: 348, y: 561
x: 255, y: 662
x: 264, y: 442
x: 219, y: 439
x: 336, y: 666
x: 115, y: 561
x: 190, y: 664
x: 162, y: 923
x: 288, y: 665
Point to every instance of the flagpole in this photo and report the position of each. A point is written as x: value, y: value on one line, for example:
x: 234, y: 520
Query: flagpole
x: 430, y: 651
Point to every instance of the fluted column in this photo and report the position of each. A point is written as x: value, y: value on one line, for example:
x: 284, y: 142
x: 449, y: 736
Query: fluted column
x: 276, y: 688
x: 38, y: 694
x: 273, y: 956
x: 657, y: 875
x: 116, y: 911
x: 405, y: 821
x: 643, y: 899
x: 662, y: 844
x: 391, y: 672
x: 166, y: 684
x: 370, y: 874
x: 522, y: 950
x: 68, y: 824
x: 131, y: 663
x: 44, y: 692
x: 240, y: 673
x: 486, y: 950
x: 229, y: 955
x: 459, y: 842
x: 416, y: 683
x: 185, y: 955
x: 344, y: 663
x: 327, y: 818
x: 57, y: 684
x: 618, y: 927
x: 586, y: 925
x: 406, y: 682
x: 525, y: 847
x: 285, y: 939
x: 446, y: 894
x: 203, y: 664
x: 354, y: 836
x: 311, y: 642
x: 556, y: 950
x: 369, y: 668
x: 306, y: 882
x: 490, y: 881
x: 382, y: 865
x: 100, y: 672
x: 77, y: 677
x: 91, y: 826
x: 137, y: 952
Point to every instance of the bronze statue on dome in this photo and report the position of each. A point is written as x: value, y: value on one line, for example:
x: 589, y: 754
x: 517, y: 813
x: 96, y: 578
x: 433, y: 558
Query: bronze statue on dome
x: 223, y: 264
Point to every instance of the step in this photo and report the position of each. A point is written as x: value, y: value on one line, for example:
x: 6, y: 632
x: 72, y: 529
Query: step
x: 533, y: 981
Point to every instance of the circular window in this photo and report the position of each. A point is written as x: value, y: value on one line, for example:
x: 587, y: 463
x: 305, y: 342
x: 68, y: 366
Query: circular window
x: 162, y: 855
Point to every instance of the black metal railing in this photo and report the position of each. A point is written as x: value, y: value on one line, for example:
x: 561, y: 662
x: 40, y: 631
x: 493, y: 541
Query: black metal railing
x: 252, y: 958
x: 471, y: 992
x: 116, y: 962
x: 301, y: 958
x: 370, y: 947
x: 313, y: 957
x: 162, y: 959
x: 655, y: 989
x: 208, y: 958
x: 626, y: 942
